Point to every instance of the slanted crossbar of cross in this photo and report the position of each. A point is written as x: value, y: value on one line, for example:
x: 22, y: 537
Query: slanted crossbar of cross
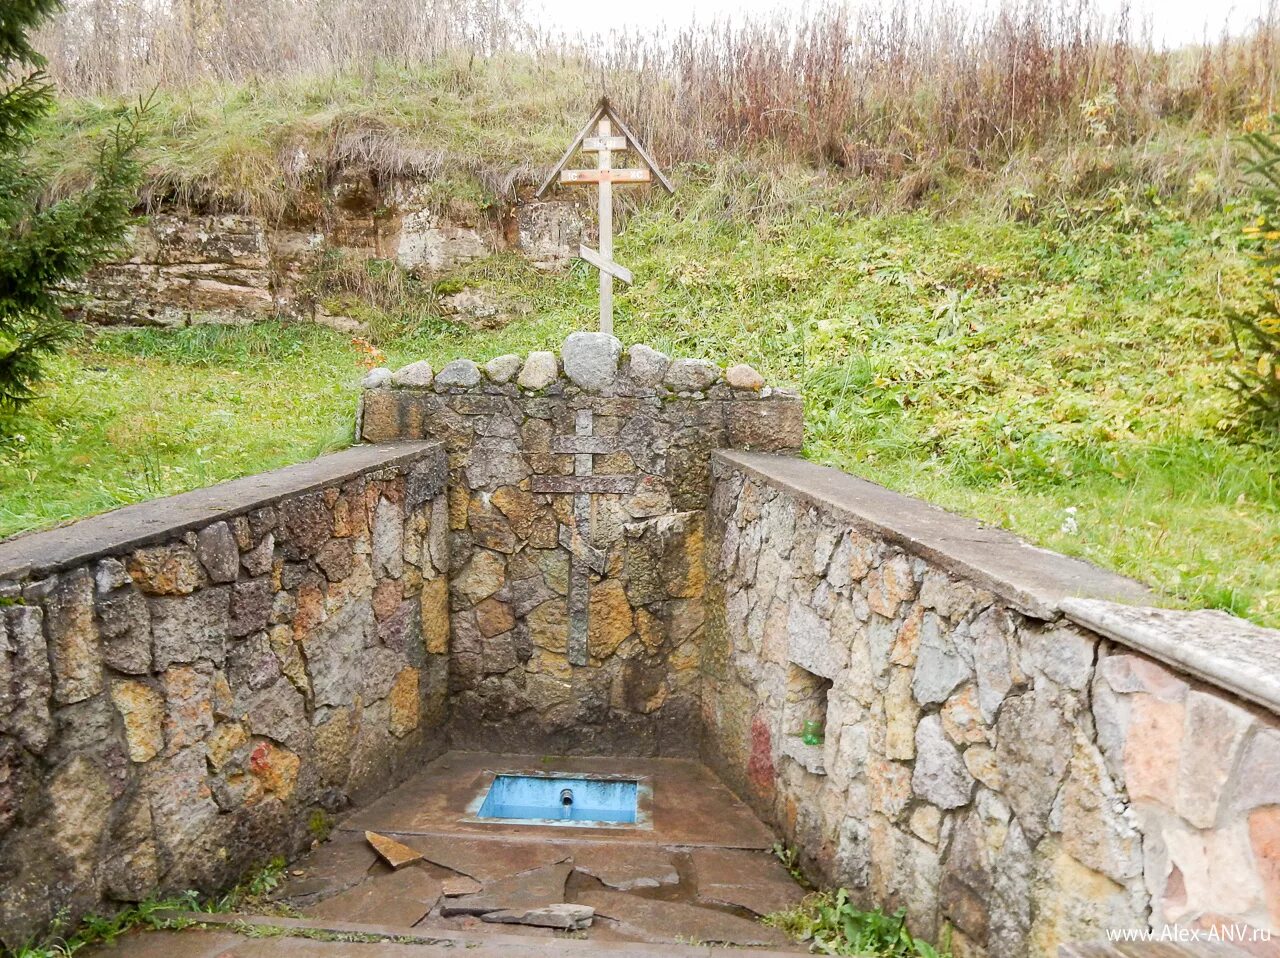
x: 598, y: 137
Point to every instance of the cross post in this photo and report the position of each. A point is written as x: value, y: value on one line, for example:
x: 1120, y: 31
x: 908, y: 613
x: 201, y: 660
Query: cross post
x: 605, y: 130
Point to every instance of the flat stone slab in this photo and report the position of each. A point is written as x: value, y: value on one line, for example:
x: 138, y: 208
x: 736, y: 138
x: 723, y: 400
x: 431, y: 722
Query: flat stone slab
x: 755, y: 881
x: 460, y: 885
x: 1221, y: 649
x: 519, y: 893
x: 652, y: 920
x: 402, y: 898
x: 1033, y: 580
x: 189, y: 943
x: 392, y: 852
x: 200, y: 943
x: 118, y: 531
x: 690, y: 807
x: 475, y: 925
x: 627, y: 867
x: 563, y: 916
x: 331, y: 868
x: 484, y: 860
x: 559, y: 485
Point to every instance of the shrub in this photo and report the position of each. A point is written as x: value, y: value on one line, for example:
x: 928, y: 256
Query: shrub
x: 1256, y: 330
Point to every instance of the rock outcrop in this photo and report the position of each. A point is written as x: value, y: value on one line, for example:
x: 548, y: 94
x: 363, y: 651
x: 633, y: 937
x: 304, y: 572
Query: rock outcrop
x: 236, y: 268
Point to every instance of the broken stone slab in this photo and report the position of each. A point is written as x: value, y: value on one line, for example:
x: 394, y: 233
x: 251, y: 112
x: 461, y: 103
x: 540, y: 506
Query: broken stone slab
x: 333, y: 867
x: 752, y: 880
x: 459, y: 885
x: 401, y: 898
x: 394, y: 853
x: 563, y: 916
x: 649, y: 919
x: 627, y: 867
x: 518, y: 893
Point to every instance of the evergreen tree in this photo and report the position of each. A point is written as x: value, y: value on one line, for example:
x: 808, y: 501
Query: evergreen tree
x: 1256, y: 329
x: 44, y: 244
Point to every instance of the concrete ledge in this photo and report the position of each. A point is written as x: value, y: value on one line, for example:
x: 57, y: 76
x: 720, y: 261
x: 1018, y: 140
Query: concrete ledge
x: 1214, y: 646
x: 41, y: 553
x: 1035, y: 581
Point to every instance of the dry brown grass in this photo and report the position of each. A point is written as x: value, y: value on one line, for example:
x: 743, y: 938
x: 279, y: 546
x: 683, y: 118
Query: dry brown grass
x: 101, y: 46
x: 883, y: 90
x: 1065, y: 98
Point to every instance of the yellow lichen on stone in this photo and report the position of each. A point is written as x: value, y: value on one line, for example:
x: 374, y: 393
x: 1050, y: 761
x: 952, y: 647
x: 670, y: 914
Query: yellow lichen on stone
x: 404, y: 703
x: 518, y: 506
x: 609, y: 618
x: 434, y: 599
x: 141, y: 707
x: 683, y: 572
x: 649, y: 627
x: 223, y: 742
x: 289, y: 655
x: 549, y: 625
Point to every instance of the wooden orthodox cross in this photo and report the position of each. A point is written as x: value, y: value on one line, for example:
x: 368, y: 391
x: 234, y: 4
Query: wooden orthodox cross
x: 604, y: 143
x: 604, y: 134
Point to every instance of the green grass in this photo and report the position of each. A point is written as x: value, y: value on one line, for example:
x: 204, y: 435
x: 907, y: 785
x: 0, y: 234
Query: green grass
x: 128, y: 416
x: 256, y: 146
x: 1009, y: 370
x: 156, y: 913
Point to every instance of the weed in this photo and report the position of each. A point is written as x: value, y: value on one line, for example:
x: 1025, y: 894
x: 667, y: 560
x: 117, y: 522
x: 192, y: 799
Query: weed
x: 320, y: 825
x: 790, y: 859
x: 153, y: 913
x: 832, y: 925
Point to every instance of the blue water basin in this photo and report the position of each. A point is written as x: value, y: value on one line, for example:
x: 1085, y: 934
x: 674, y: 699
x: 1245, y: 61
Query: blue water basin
x: 580, y: 801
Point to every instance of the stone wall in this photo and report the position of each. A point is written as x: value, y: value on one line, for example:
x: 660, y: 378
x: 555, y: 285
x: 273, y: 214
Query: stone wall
x: 603, y: 554
x: 190, y: 686
x: 233, y: 268
x: 577, y: 493
x: 988, y: 762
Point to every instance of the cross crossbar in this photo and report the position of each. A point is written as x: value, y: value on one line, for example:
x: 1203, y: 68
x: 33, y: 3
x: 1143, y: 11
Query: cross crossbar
x: 572, y: 177
x: 594, y: 144
x: 604, y: 265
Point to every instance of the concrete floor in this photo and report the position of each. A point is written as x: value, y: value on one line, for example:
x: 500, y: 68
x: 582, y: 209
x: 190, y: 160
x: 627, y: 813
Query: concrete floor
x: 689, y: 805
x: 699, y: 873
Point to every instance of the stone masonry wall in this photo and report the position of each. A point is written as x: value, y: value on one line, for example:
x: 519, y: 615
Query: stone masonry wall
x: 577, y: 493
x: 188, y: 686
x: 987, y: 762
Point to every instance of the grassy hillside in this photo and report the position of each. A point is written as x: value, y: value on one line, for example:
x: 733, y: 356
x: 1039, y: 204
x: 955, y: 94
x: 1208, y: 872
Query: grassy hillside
x: 1027, y: 330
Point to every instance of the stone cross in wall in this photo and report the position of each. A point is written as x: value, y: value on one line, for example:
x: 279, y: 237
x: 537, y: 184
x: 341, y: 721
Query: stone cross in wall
x: 604, y: 143
x: 586, y: 558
